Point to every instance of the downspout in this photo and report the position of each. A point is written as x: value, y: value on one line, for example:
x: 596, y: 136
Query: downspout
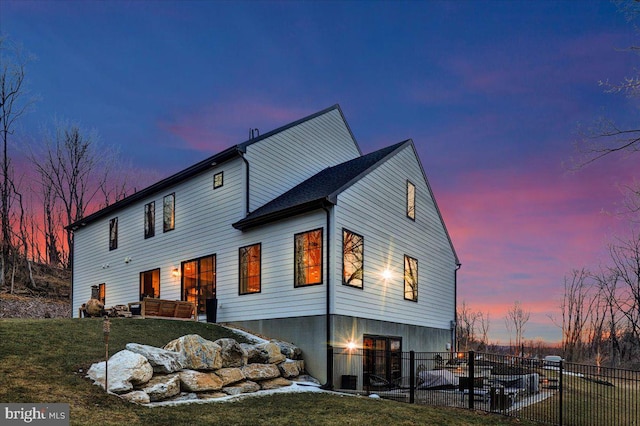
x: 454, y: 343
x: 73, y: 244
x: 246, y: 162
x: 329, y: 346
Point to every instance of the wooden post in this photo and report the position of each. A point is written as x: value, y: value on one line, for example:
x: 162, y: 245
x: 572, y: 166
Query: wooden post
x: 106, y: 329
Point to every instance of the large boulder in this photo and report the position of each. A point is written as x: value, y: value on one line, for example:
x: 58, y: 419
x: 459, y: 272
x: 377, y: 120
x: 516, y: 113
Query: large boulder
x: 289, y: 369
x: 196, y: 381
x: 198, y: 353
x: 162, y: 360
x: 137, y: 397
x: 259, y: 372
x: 242, y: 387
x: 276, y: 383
x: 289, y: 350
x: 255, y: 354
x: 126, y: 370
x: 162, y: 387
x: 232, y: 354
x: 230, y: 375
x: 273, y: 351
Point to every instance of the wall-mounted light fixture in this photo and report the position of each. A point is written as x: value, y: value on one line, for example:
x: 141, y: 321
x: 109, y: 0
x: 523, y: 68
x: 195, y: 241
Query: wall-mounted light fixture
x: 175, y: 272
x: 127, y: 259
x: 351, y: 346
x: 387, y: 274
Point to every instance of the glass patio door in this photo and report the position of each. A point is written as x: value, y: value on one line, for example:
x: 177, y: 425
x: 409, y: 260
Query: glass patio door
x: 199, y: 281
x: 382, y: 358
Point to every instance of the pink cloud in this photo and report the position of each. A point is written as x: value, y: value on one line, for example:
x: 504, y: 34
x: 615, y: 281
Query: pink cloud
x: 521, y: 229
x: 216, y: 126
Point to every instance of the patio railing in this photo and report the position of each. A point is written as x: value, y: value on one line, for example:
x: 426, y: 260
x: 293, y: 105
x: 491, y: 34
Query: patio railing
x: 560, y: 393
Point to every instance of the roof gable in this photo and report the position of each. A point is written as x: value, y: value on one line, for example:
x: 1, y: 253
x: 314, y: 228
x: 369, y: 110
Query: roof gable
x: 319, y: 190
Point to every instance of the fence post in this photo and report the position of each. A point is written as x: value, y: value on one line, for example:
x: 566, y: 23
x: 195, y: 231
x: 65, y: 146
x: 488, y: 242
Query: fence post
x: 560, y: 387
x: 412, y: 377
x: 472, y: 378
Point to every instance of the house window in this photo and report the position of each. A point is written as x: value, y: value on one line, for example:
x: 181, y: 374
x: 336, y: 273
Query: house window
x: 250, y: 258
x: 411, y: 201
x: 308, y: 258
x: 169, y: 212
x: 150, y: 284
x: 218, y: 180
x: 410, y: 278
x: 199, y: 282
x: 113, y: 233
x: 150, y: 219
x: 352, y: 258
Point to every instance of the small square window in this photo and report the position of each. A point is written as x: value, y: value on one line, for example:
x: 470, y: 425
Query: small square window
x: 218, y: 180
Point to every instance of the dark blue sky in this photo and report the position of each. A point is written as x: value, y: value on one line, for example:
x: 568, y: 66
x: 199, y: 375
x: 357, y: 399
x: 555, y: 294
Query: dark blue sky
x: 491, y: 92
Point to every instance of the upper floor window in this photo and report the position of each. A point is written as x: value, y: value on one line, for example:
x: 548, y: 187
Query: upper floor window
x: 250, y: 268
x: 410, y: 278
x: 352, y: 258
x: 150, y: 219
x: 411, y: 201
x: 113, y: 233
x: 169, y: 212
x: 218, y: 180
x: 308, y: 258
x: 150, y: 284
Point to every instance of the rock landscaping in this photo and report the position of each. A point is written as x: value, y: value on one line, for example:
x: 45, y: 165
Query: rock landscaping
x: 193, y: 368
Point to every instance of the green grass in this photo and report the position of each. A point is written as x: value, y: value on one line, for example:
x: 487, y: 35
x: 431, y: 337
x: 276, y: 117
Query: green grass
x: 589, y: 402
x: 45, y: 361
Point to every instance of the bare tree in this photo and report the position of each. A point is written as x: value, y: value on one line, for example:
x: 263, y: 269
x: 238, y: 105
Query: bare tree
x: 515, y: 320
x: 13, y: 104
x: 577, y: 306
x: 625, y: 256
x: 71, y: 170
x: 483, y: 319
x: 466, y: 327
x: 605, y: 135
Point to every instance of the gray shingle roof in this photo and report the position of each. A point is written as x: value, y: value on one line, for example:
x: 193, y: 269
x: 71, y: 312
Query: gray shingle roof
x: 319, y: 190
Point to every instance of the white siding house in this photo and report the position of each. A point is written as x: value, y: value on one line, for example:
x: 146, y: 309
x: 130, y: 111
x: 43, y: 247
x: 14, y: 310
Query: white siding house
x: 294, y: 234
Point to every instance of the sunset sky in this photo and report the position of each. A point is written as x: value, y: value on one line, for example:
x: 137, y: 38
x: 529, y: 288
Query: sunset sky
x: 493, y: 94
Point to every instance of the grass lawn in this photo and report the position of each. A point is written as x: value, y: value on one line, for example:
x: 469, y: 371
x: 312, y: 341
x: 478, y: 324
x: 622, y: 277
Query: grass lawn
x: 45, y: 361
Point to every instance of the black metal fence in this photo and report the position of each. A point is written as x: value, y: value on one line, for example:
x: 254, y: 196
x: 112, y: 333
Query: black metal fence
x: 559, y: 393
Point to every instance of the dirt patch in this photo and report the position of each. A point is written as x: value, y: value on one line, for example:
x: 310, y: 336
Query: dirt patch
x: 14, y: 306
